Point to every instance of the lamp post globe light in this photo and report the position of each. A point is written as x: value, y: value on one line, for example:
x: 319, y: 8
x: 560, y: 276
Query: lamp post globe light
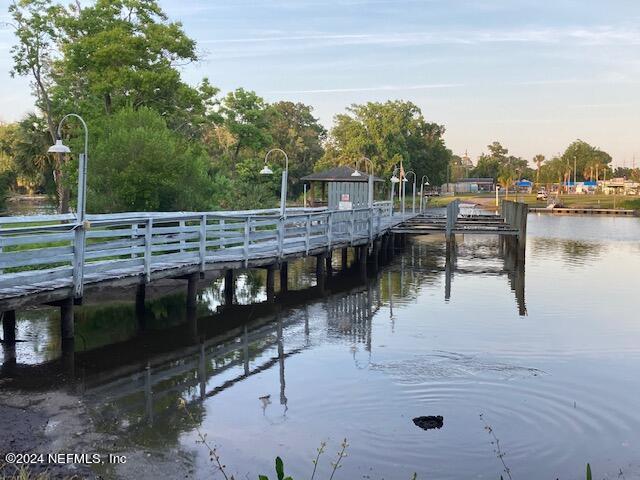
x: 61, y: 148
x: 266, y: 170
x: 394, y: 179
x: 403, y: 190
x: 422, y: 184
x: 413, y: 205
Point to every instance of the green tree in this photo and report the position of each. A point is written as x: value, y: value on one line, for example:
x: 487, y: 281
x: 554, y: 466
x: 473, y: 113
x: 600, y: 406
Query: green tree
x: 294, y: 129
x: 388, y: 133
x: 590, y: 162
x: 124, y: 53
x: 246, y: 117
x: 495, y: 163
x: 538, y: 160
x: 138, y: 163
x: 38, y: 33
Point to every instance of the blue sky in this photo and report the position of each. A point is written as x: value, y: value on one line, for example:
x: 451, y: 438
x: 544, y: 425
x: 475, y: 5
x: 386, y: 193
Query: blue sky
x: 534, y: 75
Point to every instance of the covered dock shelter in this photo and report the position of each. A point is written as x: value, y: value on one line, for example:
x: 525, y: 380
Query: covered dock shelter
x: 344, y: 188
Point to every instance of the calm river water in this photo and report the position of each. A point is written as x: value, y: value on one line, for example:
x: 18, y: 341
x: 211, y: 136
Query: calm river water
x: 547, y: 354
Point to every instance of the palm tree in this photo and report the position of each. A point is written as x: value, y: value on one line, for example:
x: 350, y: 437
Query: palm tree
x: 505, y: 178
x: 538, y: 160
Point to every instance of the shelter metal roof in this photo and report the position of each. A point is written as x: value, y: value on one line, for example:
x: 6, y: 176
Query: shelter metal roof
x: 339, y: 174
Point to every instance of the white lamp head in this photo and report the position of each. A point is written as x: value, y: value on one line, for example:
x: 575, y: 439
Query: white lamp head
x: 356, y: 173
x: 59, y: 147
x: 395, y: 179
x: 427, y: 183
x: 266, y: 170
x: 405, y: 179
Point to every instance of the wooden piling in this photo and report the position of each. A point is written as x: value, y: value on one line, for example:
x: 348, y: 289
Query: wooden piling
x: 344, y: 259
x: 66, y: 320
x: 320, y: 270
x: 328, y: 264
x: 141, y: 292
x: 229, y: 287
x: 374, y: 259
x: 284, y: 277
x: 192, y: 289
x: 270, y: 284
x: 9, y: 327
x: 362, y: 261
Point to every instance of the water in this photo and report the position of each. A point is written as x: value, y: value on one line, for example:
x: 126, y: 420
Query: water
x: 546, y: 351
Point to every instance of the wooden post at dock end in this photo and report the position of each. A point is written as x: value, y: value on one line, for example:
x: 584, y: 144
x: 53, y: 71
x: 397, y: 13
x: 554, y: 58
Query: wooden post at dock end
x: 523, y: 212
x: 515, y: 214
x: 284, y: 277
x: 453, y: 209
x: 9, y: 327
x: 67, y: 321
x: 270, y: 284
x: 229, y: 287
x: 344, y: 259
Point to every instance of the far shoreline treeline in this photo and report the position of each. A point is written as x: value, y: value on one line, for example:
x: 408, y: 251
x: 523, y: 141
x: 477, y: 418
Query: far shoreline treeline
x: 158, y: 143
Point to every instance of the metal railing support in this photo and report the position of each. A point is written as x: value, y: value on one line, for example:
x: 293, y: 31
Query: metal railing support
x: 203, y: 242
x: 308, y: 233
x: 247, y: 233
x: 147, y: 249
x: 78, y: 260
x: 280, y: 236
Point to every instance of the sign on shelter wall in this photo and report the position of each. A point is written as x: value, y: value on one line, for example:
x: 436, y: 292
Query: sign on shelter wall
x: 345, y: 202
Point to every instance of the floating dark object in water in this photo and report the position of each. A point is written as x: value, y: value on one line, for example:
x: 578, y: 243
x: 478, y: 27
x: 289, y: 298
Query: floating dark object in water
x: 429, y: 422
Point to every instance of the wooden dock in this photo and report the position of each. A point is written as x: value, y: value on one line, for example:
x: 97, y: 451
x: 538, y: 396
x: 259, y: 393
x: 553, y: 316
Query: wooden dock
x: 50, y: 258
x: 56, y: 259
x: 584, y: 211
x: 511, y: 221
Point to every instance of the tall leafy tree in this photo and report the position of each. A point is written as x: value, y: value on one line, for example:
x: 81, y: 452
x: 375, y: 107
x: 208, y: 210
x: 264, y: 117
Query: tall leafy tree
x: 246, y: 117
x: 498, y: 164
x: 124, y: 53
x: 38, y: 33
x: 589, y: 162
x: 294, y: 129
x: 138, y: 163
x: 388, y: 133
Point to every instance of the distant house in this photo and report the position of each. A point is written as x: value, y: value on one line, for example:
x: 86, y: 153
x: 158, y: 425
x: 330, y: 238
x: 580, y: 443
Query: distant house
x: 620, y: 186
x: 524, y: 186
x: 470, y: 185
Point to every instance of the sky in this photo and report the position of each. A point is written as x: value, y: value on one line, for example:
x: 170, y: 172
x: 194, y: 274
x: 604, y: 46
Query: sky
x: 532, y: 74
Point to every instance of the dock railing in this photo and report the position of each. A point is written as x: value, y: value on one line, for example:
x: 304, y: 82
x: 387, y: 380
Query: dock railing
x: 57, y: 249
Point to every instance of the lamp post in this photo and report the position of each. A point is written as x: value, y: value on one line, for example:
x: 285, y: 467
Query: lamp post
x: 394, y: 179
x: 285, y: 174
x: 422, y: 184
x: 413, y: 205
x: 59, y: 147
x: 356, y: 173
